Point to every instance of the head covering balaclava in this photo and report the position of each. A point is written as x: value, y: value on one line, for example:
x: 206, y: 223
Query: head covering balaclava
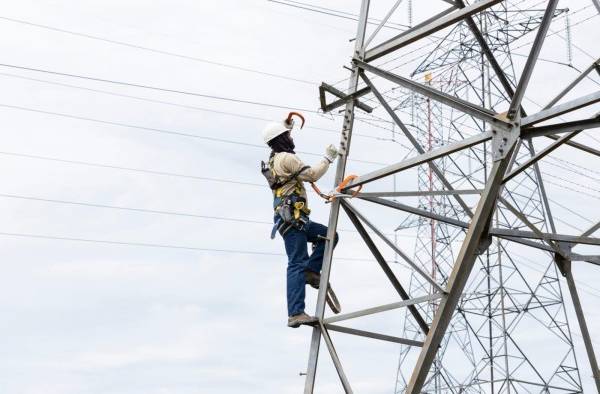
x: 282, y: 143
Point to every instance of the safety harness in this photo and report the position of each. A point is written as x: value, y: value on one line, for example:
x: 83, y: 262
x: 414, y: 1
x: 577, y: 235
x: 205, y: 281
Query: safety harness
x: 291, y: 210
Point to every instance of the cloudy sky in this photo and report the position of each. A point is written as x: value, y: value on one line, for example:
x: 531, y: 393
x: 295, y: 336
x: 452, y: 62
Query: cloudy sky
x: 135, y: 230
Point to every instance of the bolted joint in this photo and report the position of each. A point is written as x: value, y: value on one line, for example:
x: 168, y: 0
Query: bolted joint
x: 561, y: 259
x: 503, y: 140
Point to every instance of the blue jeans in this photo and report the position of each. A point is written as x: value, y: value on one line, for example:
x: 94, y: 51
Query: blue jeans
x: 299, y: 261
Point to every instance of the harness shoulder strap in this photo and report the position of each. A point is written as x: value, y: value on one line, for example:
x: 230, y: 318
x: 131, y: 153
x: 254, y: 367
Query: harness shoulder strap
x: 282, y: 181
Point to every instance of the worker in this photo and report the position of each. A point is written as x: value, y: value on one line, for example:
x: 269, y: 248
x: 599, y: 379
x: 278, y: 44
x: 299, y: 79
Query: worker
x: 286, y: 175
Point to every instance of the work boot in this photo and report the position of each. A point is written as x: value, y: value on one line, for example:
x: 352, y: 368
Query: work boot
x: 312, y: 278
x: 299, y: 319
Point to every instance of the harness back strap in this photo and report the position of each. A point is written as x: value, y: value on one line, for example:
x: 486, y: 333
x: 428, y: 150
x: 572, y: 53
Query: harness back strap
x: 282, y: 182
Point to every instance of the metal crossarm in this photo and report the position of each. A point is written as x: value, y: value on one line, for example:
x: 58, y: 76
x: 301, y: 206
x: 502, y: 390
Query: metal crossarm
x: 343, y: 98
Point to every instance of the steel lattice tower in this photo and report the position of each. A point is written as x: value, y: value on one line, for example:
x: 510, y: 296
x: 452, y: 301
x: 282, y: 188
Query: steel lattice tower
x: 476, y: 319
x: 497, y: 296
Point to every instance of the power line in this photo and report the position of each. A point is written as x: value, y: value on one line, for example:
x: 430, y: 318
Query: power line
x: 151, y: 211
x: 134, y: 209
x: 136, y: 85
x: 171, y: 213
x: 336, y: 13
x: 176, y: 214
x: 131, y: 169
x: 163, y: 131
x: 142, y: 210
x: 193, y: 107
x: 159, y: 51
x: 156, y: 245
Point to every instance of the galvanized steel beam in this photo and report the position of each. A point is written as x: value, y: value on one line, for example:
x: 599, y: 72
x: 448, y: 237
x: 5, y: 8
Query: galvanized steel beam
x: 344, y: 146
x: 452, y: 101
x: 417, y: 33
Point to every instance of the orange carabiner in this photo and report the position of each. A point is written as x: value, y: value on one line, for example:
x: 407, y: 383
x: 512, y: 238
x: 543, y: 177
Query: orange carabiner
x: 345, y: 183
x: 338, y: 189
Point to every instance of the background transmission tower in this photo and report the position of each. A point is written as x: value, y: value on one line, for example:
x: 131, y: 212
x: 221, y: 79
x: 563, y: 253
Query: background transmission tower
x: 500, y: 298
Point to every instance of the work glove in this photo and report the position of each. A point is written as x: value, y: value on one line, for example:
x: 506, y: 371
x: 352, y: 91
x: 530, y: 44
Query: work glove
x: 331, y: 153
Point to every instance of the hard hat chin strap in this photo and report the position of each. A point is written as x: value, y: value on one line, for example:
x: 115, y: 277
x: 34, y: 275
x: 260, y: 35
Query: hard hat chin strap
x: 290, y: 122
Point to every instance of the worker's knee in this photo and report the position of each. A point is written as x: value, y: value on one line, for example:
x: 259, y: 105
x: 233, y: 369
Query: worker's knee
x: 295, y: 265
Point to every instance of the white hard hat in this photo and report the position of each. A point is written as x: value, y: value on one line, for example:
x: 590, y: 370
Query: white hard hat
x: 274, y: 129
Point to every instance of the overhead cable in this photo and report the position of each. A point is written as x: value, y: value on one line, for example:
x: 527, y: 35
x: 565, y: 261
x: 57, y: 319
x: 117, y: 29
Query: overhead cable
x: 159, y: 51
x: 170, y: 103
x: 156, y: 245
x: 168, y: 90
x: 163, y: 131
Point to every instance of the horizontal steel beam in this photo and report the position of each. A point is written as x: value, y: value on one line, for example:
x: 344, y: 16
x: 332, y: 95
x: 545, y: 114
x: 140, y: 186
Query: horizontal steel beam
x: 417, y: 33
x: 420, y: 159
x: 416, y: 211
x: 498, y: 232
x: 561, y: 109
x: 575, y: 239
x: 566, y: 127
x: 452, y: 221
x: 593, y: 259
x: 419, y: 193
x: 382, y: 308
x: 426, y: 90
x: 373, y: 335
x: 527, y: 242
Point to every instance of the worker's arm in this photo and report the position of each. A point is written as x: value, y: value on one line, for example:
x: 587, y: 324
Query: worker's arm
x: 292, y: 163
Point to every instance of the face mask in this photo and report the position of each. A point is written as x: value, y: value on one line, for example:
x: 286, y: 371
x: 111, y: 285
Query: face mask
x: 289, y: 141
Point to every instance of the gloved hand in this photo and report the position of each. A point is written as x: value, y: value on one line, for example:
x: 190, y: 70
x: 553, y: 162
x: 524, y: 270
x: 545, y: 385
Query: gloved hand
x: 331, y: 153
